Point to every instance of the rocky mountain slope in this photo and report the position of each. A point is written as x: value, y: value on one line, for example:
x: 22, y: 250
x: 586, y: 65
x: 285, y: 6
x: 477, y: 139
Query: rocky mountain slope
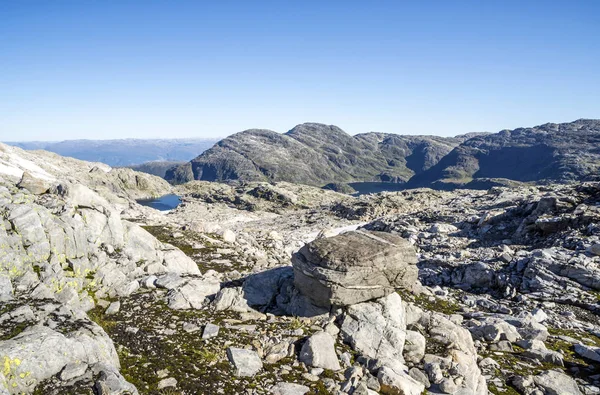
x: 550, y: 152
x: 123, y: 152
x: 157, y: 168
x: 315, y: 154
x: 257, y: 288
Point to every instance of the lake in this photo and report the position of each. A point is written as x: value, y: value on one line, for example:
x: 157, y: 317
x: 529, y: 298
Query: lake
x: 163, y: 203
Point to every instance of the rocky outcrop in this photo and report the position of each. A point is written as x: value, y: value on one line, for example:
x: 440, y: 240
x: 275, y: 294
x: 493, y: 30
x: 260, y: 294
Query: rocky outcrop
x: 37, y: 171
x: 315, y: 154
x: 63, y: 248
x: 354, y: 267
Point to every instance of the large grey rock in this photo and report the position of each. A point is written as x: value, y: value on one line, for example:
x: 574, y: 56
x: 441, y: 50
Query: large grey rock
x: 37, y: 186
x: 40, y: 353
x: 594, y: 249
x: 111, y: 382
x: 455, y: 356
x: 536, y: 349
x: 493, y: 330
x: 193, y: 295
x: 319, y: 352
x: 246, y: 362
x: 377, y: 329
x: 553, y: 382
x: 289, y: 389
x: 588, y: 352
x: 394, y: 383
x: 354, y: 267
x: 414, y: 346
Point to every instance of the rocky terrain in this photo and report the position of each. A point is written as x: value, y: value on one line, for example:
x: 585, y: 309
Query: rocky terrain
x: 316, y: 154
x: 259, y: 288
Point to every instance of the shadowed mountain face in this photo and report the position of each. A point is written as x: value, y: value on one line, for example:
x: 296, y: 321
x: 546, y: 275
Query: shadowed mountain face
x: 315, y: 154
x: 551, y: 152
x: 124, y: 152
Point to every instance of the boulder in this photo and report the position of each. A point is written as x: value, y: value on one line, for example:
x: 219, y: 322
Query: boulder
x: 319, y: 352
x: 210, y: 330
x: 591, y: 353
x: 246, y: 362
x: 377, y: 329
x: 553, y: 382
x: 111, y: 382
x: 289, y: 389
x: 414, y: 347
x: 32, y: 184
x: 40, y: 353
x: 193, y: 295
x: 354, y: 267
x: 394, y: 383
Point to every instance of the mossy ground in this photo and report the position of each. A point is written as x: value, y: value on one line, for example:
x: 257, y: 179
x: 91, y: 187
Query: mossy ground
x: 198, y: 248
x: 200, y: 366
x: 431, y: 303
x: 513, y: 363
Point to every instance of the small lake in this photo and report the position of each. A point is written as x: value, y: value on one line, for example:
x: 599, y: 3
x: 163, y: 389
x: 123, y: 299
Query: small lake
x: 363, y: 188
x: 163, y: 203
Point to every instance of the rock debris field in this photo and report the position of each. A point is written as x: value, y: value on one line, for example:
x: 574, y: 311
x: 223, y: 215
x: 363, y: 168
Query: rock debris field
x: 257, y: 288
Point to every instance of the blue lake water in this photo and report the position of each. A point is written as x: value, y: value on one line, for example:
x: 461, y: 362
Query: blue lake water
x: 163, y: 203
x: 363, y: 188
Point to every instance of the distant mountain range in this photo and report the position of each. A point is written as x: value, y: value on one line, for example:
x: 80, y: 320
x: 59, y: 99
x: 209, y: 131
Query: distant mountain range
x: 551, y: 152
x: 125, y: 152
x: 317, y: 154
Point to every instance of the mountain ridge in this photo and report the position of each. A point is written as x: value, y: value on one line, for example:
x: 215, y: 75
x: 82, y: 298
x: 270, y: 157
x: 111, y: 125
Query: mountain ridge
x: 314, y: 154
x: 318, y: 154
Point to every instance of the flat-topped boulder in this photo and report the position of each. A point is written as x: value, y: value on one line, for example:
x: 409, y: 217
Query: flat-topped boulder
x: 354, y: 267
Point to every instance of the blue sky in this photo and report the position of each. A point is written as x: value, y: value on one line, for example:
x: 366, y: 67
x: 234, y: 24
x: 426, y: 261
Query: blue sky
x: 115, y: 69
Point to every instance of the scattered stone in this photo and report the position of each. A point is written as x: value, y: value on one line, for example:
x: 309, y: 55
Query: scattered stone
x: 246, y: 362
x: 318, y: 351
x: 166, y: 383
x: 113, y: 308
x: 228, y: 236
x: 210, y: 330
x: 289, y: 389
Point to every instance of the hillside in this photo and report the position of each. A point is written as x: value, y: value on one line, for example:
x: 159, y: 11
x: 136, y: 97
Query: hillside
x: 156, y: 167
x: 315, y: 154
x: 550, y: 152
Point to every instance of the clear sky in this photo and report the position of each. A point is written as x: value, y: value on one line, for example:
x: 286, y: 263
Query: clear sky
x: 124, y: 68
